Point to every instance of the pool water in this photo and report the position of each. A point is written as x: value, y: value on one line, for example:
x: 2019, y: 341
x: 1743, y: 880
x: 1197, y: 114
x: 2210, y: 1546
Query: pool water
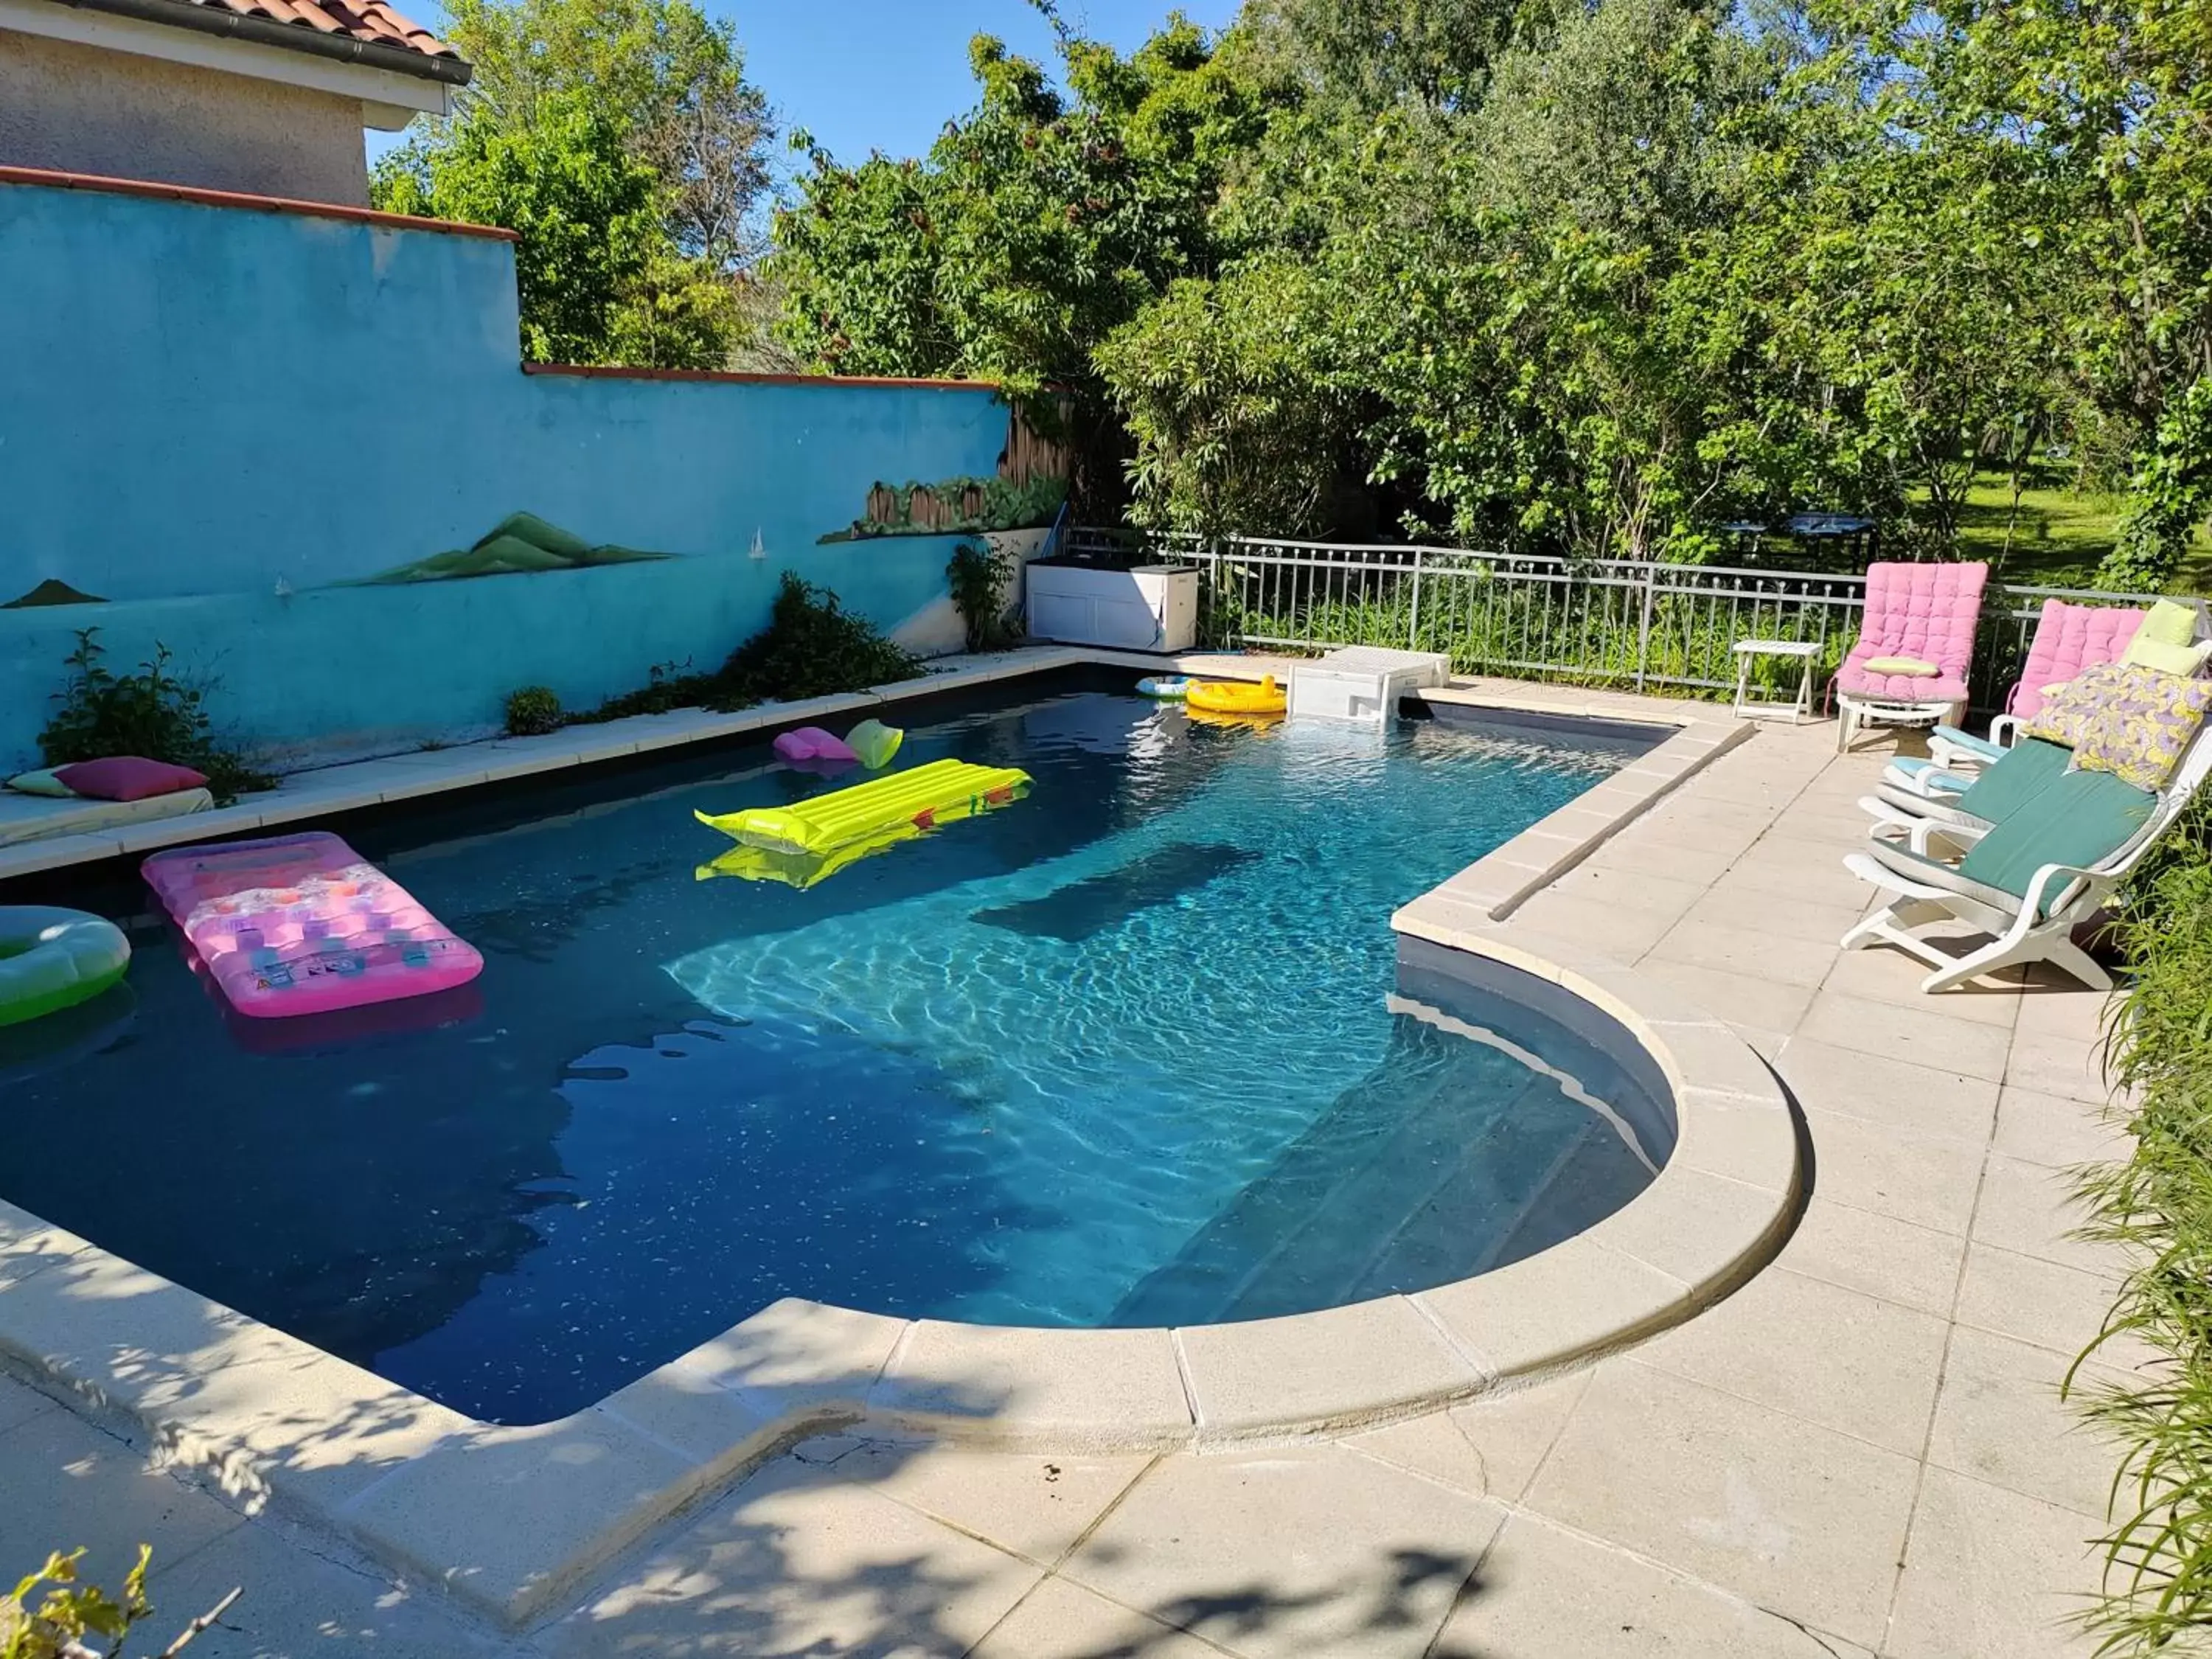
x: 1136, y: 1050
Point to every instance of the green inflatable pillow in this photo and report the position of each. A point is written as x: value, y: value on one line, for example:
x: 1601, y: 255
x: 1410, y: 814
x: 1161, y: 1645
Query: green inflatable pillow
x: 1909, y: 666
x: 39, y: 783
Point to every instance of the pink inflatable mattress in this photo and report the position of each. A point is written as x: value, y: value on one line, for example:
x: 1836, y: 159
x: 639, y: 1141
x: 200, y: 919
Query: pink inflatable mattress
x: 303, y: 925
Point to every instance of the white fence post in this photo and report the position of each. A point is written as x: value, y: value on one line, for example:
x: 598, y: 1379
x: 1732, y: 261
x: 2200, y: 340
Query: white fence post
x: 1413, y: 620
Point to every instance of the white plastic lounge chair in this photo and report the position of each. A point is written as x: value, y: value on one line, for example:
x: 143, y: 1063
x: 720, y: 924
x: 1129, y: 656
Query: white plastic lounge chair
x: 2030, y: 881
x: 1927, y: 613
x: 1969, y: 802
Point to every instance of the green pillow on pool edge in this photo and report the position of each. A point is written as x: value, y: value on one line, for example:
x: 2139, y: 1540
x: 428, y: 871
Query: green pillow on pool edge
x: 39, y: 783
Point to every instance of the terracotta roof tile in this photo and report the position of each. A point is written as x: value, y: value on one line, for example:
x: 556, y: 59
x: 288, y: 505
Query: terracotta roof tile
x: 364, y: 20
x: 370, y: 21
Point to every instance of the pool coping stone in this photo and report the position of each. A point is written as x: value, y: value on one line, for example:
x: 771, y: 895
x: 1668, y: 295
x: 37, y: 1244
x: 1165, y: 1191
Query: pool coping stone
x: 513, y: 1520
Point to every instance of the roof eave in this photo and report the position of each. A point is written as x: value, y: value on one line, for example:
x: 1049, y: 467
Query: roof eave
x: 291, y: 37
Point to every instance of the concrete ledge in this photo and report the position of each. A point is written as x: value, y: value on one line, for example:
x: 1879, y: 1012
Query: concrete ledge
x: 1325, y: 1372
x: 433, y: 771
x: 1077, y: 1390
x: 1496, y: 884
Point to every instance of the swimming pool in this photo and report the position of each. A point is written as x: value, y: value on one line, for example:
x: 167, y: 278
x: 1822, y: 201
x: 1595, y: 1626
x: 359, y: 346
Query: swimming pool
x: 1135, y: 1051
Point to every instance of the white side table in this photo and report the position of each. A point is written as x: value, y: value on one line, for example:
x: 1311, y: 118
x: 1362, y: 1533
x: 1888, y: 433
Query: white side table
x: 1800, y: 707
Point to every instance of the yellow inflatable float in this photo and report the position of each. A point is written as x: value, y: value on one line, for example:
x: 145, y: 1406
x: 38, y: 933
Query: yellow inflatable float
x: 1236, y: 697
x: 904, y: 805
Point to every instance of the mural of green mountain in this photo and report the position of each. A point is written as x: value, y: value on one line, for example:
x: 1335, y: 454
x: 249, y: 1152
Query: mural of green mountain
x: 955, y: 507
x: 51, y: 592
x: 521, y: 544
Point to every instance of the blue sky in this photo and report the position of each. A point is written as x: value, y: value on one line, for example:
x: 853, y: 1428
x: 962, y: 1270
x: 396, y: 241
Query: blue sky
x: 887, y: 74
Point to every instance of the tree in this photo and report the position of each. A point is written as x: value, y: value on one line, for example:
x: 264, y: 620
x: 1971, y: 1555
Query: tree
x: 1591, y: 276
x: 572, y: 105
x: 671, y: 79
x: 583, y: 205
x: 1229, y: 389
x: 1039, y: 223
x: 2107, y: 105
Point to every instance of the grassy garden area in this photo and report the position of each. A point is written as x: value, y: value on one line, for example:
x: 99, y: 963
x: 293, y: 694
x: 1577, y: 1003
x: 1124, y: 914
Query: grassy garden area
x: 2055, y: 534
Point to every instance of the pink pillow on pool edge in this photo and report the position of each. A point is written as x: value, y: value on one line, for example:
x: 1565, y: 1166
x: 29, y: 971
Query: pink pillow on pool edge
x: 127, y: 777
x: 811, y: 743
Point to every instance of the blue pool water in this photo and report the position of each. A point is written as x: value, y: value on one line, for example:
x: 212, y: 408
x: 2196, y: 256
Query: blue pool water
x: 1136, y: 1050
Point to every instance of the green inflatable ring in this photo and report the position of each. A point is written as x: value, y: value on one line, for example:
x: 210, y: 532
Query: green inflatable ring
x: 53, y: 959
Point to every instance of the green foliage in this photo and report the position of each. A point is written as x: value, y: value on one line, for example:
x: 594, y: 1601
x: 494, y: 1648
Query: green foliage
x: 1231, y: 392
x: 2158, y: 1205
x: 1038, y: 224
x: 980, y: 578
x: 670, y: 78
x: 532, y: 712
x: 71, y: 1615
x: 1003, y: 505
x: 668, y: 687
x: 813, y: 647
x: 1592, y: 279
x: 2169, y: 491
x: 583, y: 205
x: 151, y: 714
x: 624, y: 144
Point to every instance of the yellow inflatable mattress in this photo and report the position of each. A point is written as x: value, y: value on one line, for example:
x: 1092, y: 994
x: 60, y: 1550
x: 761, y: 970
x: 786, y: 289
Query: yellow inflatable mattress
x: 943, y: 791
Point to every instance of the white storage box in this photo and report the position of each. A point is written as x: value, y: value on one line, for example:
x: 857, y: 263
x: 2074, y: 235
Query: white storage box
x: 1362, y: 682
x: 1151, y: 608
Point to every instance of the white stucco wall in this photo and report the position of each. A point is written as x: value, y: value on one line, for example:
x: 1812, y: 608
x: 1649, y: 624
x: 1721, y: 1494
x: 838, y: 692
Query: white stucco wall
x: 84, y: 109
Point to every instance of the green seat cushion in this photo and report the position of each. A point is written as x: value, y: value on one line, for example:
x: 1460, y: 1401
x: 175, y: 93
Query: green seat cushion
x: 1934, y: 872
x: 2079, y: 818
x: 2021, y: 774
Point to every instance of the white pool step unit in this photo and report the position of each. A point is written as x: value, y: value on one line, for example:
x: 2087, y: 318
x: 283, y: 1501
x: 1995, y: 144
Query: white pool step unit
x: 1363, y: 683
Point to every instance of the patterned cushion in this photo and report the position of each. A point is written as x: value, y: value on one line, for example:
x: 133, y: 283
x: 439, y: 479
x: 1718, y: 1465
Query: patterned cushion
x: 2068, y: 709
x: 2142, y: 730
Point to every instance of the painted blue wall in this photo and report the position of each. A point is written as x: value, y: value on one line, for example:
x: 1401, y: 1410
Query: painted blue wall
x: 214, y: 417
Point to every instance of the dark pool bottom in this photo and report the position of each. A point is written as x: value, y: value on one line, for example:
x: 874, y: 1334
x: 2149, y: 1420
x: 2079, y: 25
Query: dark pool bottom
x: 1138, y: 1050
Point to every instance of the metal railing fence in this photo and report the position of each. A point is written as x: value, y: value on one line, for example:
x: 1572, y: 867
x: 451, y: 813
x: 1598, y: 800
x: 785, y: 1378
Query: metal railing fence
x: 1613, y: 622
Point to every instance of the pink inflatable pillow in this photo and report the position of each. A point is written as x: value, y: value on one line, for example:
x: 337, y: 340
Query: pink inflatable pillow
x: 811, y: 743
x: 128, y: 777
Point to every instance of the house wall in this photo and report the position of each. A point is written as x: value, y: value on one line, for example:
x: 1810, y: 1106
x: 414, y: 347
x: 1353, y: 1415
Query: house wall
x: 76, y: 109
x: 225, y: 421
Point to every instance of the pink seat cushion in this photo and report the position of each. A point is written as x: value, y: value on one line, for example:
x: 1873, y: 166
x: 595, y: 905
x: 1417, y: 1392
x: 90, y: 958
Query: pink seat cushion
x: 1923, y: 610
x: 2070, y: 638
x: 128, y: 777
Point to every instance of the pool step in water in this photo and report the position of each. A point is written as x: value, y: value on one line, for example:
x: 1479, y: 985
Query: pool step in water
x: 1380, y: 1196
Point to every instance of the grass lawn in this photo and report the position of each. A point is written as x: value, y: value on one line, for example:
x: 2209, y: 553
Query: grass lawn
x: 2059, y: 536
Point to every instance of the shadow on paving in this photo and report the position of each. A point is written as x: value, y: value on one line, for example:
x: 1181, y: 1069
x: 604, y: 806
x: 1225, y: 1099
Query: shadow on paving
x: 866, y: 1546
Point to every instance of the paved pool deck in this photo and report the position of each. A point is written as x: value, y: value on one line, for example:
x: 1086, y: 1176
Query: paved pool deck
x: 1860, y: 1452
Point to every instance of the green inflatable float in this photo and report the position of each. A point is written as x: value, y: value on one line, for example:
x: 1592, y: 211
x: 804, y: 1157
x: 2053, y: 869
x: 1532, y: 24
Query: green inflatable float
x: 54, y: 959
